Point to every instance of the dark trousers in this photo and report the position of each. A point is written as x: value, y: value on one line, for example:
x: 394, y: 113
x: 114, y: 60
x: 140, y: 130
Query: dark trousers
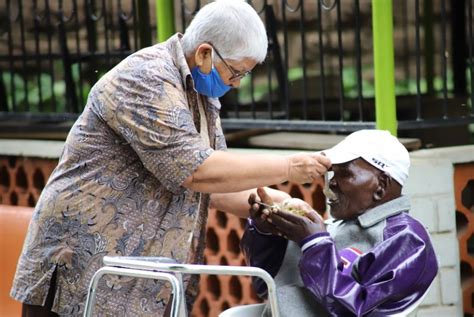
x: 42, y: 311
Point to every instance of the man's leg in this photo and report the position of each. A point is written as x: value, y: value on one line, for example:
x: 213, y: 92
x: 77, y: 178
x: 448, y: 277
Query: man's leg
x: 42, y: 311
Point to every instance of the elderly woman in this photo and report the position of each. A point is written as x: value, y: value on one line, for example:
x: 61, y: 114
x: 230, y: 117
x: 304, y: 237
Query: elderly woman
x: 139, y: 165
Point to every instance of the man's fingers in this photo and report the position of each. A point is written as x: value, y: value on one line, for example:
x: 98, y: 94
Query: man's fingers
x: 266, y: 212
x: 289, y: 216
x: 254, y: 210
x: 282, y: 224
x: 252, y: 198
x: 314, y: 216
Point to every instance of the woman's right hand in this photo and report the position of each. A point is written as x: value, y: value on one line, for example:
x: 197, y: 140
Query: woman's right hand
x: 303, y: 168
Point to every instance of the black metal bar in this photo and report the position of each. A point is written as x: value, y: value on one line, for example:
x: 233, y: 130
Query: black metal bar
x: 471, y: 67
x: 458, y: 44
x: 57, y: 122
x: 23, y: 51
x: 106, y: 32
x: 341, y: 61
x: 71, y: 97
x: 418, y: 59
x: 358, y: 60
x: 38, y: 117
x: 143, y: 7
x: 274, y: 48
x: 444, y: 58
x: 434, y: 123
x: 90, y: 25
x: 304, y: 61
x: 286, y: 87
x: 406, y: 44
x: 252, y: 95
x: 269, y: 90
x: 78, y: 52
x: 322, y: 82
x: 428, y: 41
x: 183, y: 15
x: 296, y: 125
x: 135, y: 30
x: 10, y: 55
x: 123, y: 31
x: 3, y: 94
x: 269, y: 61
x: 75, y: 56
x: 37, y: 20
x: 110, y: 12
x: 51, y: 61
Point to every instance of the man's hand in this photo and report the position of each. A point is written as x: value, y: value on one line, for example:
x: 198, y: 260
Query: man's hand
x: 294, y: 227
x: 259, y: 213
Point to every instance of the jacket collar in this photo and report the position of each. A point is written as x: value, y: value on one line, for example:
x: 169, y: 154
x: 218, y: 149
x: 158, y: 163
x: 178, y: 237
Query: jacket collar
x: 382, y: 212
x: 176, y: 50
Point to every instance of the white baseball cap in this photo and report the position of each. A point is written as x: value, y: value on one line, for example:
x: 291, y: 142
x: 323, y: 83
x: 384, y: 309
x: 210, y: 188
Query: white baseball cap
x: 378, y: 148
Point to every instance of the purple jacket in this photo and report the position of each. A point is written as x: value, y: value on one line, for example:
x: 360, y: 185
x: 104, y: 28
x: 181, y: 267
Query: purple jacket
x: 376, y: 265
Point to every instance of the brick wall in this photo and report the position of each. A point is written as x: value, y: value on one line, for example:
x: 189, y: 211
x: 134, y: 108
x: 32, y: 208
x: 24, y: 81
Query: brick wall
x: 464, y: 191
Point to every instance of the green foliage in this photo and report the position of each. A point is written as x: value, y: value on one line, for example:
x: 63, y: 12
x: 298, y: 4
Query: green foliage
x: 261, y: 87
x: 29, y: 92
x: 349, y: 80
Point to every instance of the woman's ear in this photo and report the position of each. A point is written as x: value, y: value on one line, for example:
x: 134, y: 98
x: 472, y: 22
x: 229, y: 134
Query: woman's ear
x: 383, y: 185
x: 203, y: 58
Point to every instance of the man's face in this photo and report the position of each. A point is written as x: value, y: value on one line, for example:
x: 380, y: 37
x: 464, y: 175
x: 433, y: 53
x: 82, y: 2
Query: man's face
x: 354, y: 184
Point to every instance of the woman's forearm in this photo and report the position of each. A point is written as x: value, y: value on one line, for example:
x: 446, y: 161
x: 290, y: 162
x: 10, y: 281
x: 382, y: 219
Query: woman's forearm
x: 225, y: 172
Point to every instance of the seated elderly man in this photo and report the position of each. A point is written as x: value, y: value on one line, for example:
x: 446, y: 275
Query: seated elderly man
x: 370, y: 259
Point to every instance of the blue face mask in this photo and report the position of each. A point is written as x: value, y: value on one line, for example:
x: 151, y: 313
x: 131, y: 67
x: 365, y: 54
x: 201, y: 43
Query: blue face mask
x: 211, y: 84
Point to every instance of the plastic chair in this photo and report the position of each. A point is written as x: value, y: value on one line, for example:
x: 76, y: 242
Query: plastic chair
x: 14, y: 222
x: 167, y: 269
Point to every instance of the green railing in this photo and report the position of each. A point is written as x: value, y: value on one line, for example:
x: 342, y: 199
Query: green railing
x: 164, y: 19
x: 385, y: 107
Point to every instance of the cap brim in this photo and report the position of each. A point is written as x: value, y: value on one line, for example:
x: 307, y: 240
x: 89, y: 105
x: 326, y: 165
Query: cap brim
x: 338, y: 157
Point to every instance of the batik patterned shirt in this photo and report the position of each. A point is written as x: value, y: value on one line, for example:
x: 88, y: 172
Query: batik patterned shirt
x: 117, y: 189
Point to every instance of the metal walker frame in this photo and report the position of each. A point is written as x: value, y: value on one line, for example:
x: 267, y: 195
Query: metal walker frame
x: 167, y: 269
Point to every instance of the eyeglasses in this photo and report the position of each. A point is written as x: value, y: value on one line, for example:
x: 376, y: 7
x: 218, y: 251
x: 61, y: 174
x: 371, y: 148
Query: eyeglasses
x: 235, y: 74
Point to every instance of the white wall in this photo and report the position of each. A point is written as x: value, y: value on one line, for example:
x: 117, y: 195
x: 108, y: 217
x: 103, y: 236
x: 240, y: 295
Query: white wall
x: 431, y: 189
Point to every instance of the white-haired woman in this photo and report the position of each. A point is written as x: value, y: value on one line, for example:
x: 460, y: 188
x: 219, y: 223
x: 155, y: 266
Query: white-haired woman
x: 139, y: 165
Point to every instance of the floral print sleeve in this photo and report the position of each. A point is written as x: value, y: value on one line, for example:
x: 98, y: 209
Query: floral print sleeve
x: 152, y: 114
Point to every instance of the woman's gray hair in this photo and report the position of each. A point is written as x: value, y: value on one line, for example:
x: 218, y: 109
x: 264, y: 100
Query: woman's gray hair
x: 232, y: 26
